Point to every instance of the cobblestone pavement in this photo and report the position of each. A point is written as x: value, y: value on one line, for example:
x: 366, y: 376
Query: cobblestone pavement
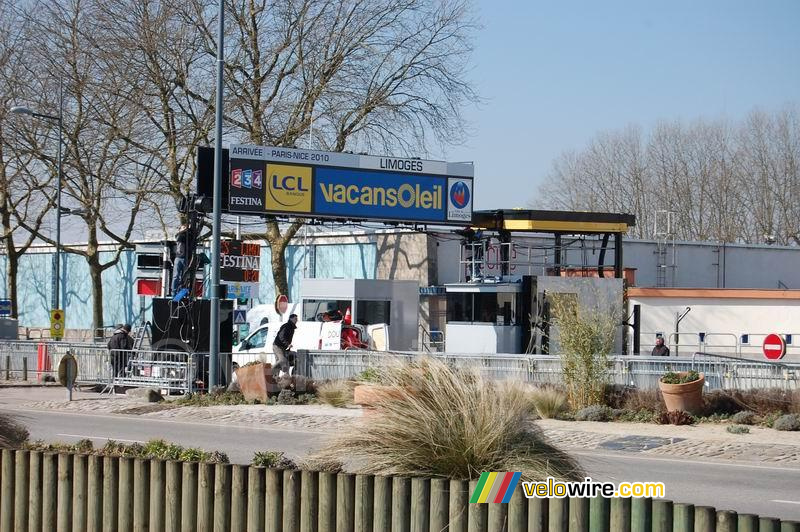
x: 706, y: 441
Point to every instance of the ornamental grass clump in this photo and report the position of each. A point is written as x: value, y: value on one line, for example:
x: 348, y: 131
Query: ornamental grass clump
x: 447, y: 422
x: 336, y: 393
x: 548, y: 402
x: 12, y: 434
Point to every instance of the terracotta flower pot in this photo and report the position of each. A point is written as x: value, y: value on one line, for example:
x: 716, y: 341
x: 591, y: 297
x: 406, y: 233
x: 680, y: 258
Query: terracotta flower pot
x: 687, y: 397
x: 256, y: 382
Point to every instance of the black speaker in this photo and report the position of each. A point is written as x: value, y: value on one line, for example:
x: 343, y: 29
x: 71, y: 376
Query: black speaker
x: 186, y: 325
x: 205, y: 173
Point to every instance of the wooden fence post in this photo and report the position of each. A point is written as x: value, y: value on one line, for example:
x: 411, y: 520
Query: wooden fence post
x: 80, y: 489
x: 420, y: 504
x: 459, y: 506
x: 64, y: 504
x: 747, y: 523
x: 274, y: 500
x: 440, y: 503
x: 125, y: 504
x: 94, y: 494
x: 683, y: 517
x: 621, y: 514
x: 641, y: 514
x: 538, y: 515
x: 382, y: 503
x: 110, y: 486
x: 727, y: 521
x: 7, y: 490
x: 769, y: 524
x: 662, y: 516
x: 477, y: 514
x: 189, y: 497
x: 558, y: 514
x: 327, y: 502
x: 345, y: 502
x: 141, y: 494
x: 255, y: 499
x: 600, y: 514
x: 401, y: 504
x: 35, y: 492
x: 790, y: 526
x: 705, y: 519
x: 309, y: 501
x: 223, y: 492
x: 158, y: 495
x: 578, y: 515
x: 239, y: 482
x: 172, y: 496
x: 21, y: 489
x: 365, y: 498
x: 291, y: 500
x: 24, y: 368
x: 205, y: 497
x: 8, y: 367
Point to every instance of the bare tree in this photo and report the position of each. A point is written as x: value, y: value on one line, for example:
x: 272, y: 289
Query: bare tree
x: 21, y: 178
x: 370, y: 74
x: 729, y: 183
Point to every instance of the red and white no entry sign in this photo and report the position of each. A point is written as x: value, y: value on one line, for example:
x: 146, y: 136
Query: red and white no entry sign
x: 774, y: 346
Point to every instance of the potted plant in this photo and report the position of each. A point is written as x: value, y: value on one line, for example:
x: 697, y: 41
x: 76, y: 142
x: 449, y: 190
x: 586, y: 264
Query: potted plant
x: 683, y: 391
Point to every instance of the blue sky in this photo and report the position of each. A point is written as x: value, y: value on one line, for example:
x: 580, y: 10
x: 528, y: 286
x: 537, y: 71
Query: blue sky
x: 554, y: 74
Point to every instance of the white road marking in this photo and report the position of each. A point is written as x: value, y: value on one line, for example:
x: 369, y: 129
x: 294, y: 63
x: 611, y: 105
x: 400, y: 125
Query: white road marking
x: 98, y: 438
x: 631, y: 456
x: 785, y: 502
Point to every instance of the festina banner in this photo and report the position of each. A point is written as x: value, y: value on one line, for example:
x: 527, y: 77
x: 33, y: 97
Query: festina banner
x: 315, y: 184
x: 239, y: 268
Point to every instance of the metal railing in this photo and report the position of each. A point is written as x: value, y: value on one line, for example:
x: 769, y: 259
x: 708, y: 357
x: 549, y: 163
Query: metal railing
x: 176, y: 372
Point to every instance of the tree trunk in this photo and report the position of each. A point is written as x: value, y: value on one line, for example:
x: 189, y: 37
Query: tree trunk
x: 96, y: 273
x: 12, y: 260
x: 278, y: 249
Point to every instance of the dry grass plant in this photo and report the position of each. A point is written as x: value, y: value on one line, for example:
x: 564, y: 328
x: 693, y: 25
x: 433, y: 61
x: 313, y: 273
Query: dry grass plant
x: 448, y: 422
x: 12, y: 434
x: 336, y: 393
x: 586, y: 338
x: 548, y: 402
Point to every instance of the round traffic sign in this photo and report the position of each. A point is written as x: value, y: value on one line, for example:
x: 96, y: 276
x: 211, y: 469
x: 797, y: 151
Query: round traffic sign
x: 774, y: 347
x: 281, y: 304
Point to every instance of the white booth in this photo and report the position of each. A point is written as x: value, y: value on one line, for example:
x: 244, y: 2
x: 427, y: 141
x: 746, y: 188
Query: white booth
x: 484, y: 318
x: 370, y: 301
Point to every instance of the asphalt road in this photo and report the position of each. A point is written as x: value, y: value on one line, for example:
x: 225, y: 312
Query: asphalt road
x: 768, y: 491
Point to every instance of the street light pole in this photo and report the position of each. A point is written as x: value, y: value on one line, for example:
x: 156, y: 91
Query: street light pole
x: 213, y: 355
x: 58, y: 193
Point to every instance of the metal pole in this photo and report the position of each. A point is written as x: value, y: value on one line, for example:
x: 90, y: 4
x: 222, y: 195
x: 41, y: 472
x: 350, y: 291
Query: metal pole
x: 57, y: 294
x: 215, y: 238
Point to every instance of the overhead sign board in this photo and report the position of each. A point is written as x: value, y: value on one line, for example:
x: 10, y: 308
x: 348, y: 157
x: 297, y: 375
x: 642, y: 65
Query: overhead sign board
x: 315, y: 184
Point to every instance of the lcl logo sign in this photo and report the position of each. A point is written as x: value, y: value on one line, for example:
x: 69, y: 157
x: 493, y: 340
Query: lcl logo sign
x: 289, y: 188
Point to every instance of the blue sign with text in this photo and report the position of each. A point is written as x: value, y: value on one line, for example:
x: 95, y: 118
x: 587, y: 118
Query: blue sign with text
x: 5, y: 307
x: 354, y: 193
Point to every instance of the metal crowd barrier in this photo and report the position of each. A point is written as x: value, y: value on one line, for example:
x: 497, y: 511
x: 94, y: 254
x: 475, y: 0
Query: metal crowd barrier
x: 175, y: 372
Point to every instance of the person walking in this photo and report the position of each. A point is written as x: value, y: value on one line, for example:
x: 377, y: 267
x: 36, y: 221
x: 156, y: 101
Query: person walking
x: 660, y: 350
x: 282, y: 345
x: 119, y: 346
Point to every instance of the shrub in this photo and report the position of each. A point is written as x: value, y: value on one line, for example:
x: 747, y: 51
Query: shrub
x: 273, y: 460
x: 787, y: 422
x: 720, y: 402
x: 212, y: 399
x: 745, y: 417
x: 638, y: 416
x: 369, y: 375
x: 585, y: 338
x: 671, y: 377
x: 12, y: 434
x: 637, y: 400
x: 593, y: 413
x: 738, y: 429
x: 765, y: 400
x: 336, y: 393
x: 548, y: 402
x: 448, y: 422
x: 676, y: 417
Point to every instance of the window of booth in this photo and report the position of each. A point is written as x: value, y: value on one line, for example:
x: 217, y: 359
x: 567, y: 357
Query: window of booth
x: 372, y: 312
x: 487, y: 307
x: 315, y: 309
